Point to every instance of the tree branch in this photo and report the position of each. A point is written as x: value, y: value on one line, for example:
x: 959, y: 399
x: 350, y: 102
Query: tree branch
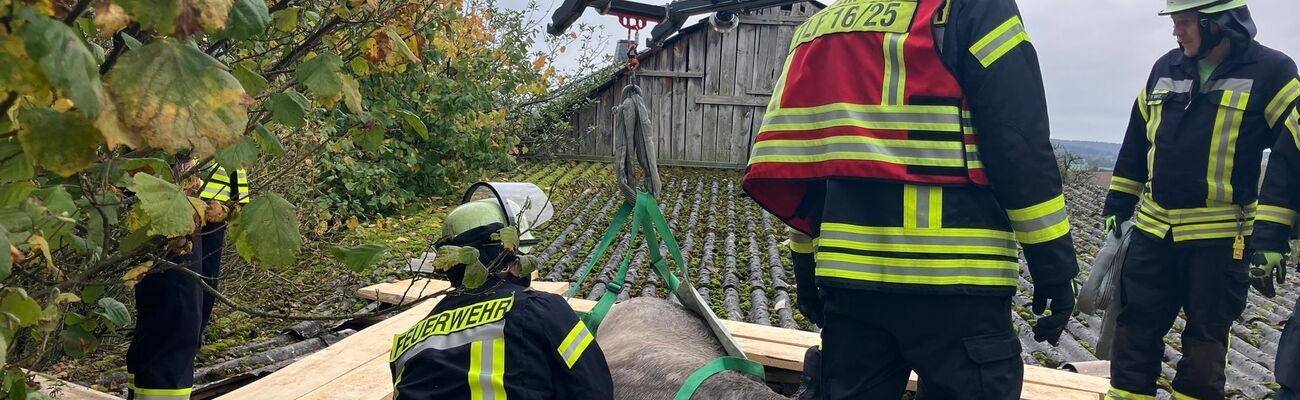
x: 221, y: 297
x: 77, y: 10
x: 305, y: 47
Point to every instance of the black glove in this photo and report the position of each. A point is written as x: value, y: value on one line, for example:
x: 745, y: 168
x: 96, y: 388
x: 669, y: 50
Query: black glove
x: 1048, y: 328
x: 1265, y: 268
x: 809, y: 300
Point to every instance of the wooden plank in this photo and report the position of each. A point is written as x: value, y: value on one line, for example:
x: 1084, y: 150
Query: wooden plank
x: 747, y: 101
x: 696, y: 57
x: 727, y: 87
x: 397, y: 291
x: 662, y: 163
x: 321, y: 368
x: 662, y: 113
x: 712, y: 81
x: 370, y: 381
x: 769, y: 20
x: 64, y: 390
x: 764, y: 73
x: 742, y: 117
x: 784, y: 348
x: 679, y: 101
x: 658, y: 73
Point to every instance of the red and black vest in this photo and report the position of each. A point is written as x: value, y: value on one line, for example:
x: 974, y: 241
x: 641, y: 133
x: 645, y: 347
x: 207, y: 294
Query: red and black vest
x: 864, y: 94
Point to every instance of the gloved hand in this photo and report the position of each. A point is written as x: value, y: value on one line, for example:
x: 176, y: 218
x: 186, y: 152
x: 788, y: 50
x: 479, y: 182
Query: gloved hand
x: 1049, y: 327
x: 1112, y: 226
x: 1265, y: 267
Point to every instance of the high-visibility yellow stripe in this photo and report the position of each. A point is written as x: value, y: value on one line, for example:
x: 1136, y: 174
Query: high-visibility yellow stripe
x: 920, y: 248
x: 1125, y: 185
x: 1000, y: 41
x: 487, y: 370
x: 936, y: 206
x: 916, y: 263
x: 1223, y: 144
x: 575, y: 344
x: 1275, y: 214
x: 1281, y: 101
x: 916, y: 280
x: 857, y: 156
x: 1142, y: 104
x: 909, y: 206
x: 1120, y: 394
x: 1180, y: 396
x: 1153, y: 126
x: 870, y: 108
x: 901, y: 231
x: 1041, y: 222
x: 161, y: 394
x: 1293, y: 125
x: 892, y: 90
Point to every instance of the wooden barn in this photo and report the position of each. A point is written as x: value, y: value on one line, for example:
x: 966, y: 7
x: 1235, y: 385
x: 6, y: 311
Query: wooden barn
x: 706, y: 91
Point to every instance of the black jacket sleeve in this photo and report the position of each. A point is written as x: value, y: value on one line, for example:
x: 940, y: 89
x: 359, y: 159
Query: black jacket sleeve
x: 1130, y: 173
x: 998, y: 69
x: 1279, y: 198
x: 577, y: 364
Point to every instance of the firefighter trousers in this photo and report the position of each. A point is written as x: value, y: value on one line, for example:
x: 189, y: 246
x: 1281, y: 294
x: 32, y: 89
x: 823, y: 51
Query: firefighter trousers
x: 961, y: 346
x: 1159, y: 279
x: 1287, y: 365
x: 172, y: 311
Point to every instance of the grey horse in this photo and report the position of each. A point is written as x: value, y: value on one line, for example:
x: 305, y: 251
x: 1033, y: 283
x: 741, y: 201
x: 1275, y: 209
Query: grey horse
x: 652, y: 345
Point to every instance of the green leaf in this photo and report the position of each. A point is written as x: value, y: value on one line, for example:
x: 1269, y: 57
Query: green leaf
x: 415, y: 123
x: 64, y: 58
x: 475, y: 275
x: 179, y: 98
x: 248, y: 18
x: 154, y: 166
x: 13, y: 193
x: 369, y: 139
x: 64, y: 143
x: 58, y: 201
x: 289, y: 108
x: 509, y: 237
x: 158, y: 15
x: 351, y: 93
x: 21, y: 307
x: 267, y: 140
x: 16, y: 167
x: 358, y: 258
x: 92, y: 294
x: 131, y: 42
x: 267, y: 230
x: 114, y: 311
x: 135, y: 239
x: 240, y: 155
x: 77, y: 342
x: 528, y: 264
x: 169, y: 213
x: 253, y: 82
x: 321, y: 75
x: 18, y: 71
x: 286, y: 20
x: 4, y: 350
x: 16, y: 382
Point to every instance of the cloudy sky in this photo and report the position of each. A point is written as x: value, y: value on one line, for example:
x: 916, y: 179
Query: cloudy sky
x: 1096, y: 54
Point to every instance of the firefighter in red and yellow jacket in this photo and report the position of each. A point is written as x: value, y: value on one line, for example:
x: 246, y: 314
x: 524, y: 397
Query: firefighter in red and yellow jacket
x: 1190, y: 164
x: 907, y: 147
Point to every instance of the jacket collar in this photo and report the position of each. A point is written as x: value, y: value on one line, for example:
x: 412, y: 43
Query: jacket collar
x: 1239, y: 56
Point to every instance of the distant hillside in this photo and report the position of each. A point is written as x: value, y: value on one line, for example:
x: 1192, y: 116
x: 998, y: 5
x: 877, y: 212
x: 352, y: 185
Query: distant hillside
x: 1098, y: 154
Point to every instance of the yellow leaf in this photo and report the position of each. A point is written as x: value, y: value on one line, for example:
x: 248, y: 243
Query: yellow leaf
x: 402, y: 239
x: 563, y: 48
x: 200, y: 209
x: 540, y: 62
x: 133, y: 276
x: 63, y: 104
x: 353, y: 223
x: 66, y: 298
x: 322, y: 227
x: 38, y: 242
x: 110, y: 18
x: 351, y: 93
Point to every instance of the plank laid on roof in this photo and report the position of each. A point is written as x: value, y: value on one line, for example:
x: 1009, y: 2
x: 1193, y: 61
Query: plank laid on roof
x: 61, y: 389
x: 784, y: 348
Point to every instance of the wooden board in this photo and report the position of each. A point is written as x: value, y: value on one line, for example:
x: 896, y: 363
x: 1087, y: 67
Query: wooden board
x: 357, y: 366
x: 784, y: 348
x: 407, y: 289
x: 695, y: 61
x: 64, y: 390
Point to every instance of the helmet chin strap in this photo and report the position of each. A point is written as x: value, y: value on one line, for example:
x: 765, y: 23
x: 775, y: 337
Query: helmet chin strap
x: 1209, y: 38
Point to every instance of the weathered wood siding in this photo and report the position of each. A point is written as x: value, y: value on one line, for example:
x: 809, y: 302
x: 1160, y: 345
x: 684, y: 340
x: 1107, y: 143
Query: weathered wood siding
x: 706, y: 91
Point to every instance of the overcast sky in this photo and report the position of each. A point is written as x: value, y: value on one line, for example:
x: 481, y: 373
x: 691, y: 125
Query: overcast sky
x: 1095, y: 54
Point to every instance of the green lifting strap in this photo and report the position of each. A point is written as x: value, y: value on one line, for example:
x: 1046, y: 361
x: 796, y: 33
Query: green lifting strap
x: 615, y: 226
x: 724, y: 363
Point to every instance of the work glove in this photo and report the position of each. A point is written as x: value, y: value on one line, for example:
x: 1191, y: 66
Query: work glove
x: 1061, y: 298
x: 1265, y: 267
x: 1112, y: 226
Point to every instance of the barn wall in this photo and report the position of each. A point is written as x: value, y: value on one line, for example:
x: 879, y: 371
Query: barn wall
x: 706, y: 91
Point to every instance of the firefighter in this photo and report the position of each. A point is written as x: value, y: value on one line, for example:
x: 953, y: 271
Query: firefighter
x: 498, y: 339
x: 1190, y: 164
x: 172, y: 308
x: 906, y: 146
x: 1279, y: 200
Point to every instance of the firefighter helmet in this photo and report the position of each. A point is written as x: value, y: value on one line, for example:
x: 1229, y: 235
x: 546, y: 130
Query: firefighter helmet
x: 1203, y: 6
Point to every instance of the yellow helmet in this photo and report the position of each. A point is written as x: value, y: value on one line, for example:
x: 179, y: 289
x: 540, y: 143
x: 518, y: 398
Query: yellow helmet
x: 1203, y: 6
